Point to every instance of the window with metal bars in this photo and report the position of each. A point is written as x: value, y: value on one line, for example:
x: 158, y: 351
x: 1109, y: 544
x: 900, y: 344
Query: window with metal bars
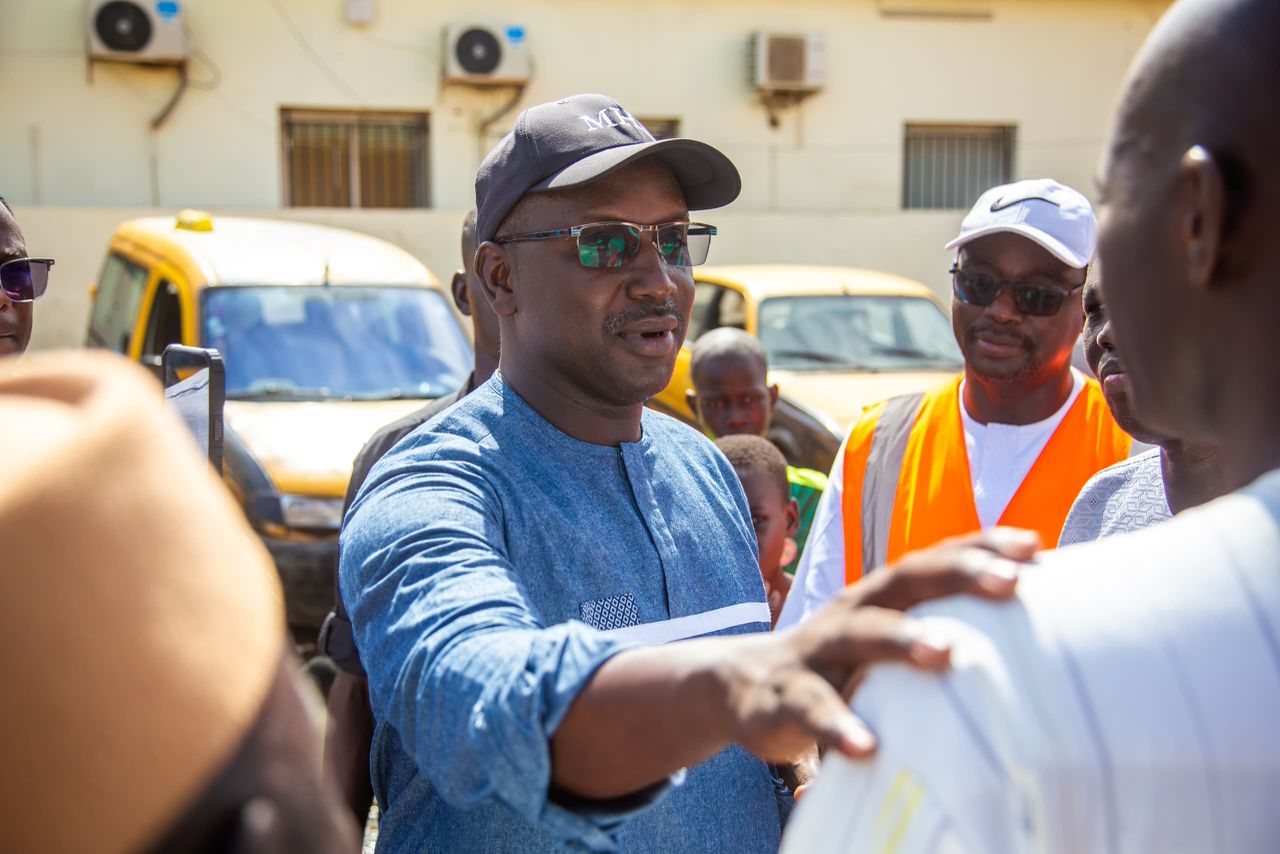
x: 949, y: 166
x: 365, y: 159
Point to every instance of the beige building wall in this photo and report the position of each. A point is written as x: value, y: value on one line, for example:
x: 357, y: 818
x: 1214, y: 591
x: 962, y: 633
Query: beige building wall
x: 824, y: 186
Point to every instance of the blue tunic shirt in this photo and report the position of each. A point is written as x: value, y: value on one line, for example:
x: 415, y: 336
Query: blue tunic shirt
x: 490, y: 565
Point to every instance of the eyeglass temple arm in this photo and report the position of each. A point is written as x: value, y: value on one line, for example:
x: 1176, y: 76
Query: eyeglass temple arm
x: 537, y: 235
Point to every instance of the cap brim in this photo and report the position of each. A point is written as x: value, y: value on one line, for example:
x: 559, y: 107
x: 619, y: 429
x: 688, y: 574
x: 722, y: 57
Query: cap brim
x: 1054, y: 246
x: 707, y: 178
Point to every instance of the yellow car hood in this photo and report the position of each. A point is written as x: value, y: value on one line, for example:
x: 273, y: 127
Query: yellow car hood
x: 308, y: 447
x: 841, y: 396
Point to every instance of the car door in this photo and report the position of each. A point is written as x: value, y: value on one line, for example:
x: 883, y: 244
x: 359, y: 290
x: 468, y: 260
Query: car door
x: 167, y: 317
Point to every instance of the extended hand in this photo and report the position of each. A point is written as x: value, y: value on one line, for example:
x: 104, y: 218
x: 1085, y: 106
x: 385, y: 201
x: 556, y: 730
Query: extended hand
x: 788, y: 690
x: 651, y: 710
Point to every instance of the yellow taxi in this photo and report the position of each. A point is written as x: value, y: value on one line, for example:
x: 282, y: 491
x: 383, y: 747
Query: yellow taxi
x: 326, y: 336
x: 838, y: 340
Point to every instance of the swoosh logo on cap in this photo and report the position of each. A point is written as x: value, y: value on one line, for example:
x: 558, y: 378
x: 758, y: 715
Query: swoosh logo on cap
x: 1005, y: 202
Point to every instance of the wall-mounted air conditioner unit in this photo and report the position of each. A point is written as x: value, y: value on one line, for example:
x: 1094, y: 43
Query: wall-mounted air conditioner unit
x: 146, y: 31
x: 788, y: 62
x: 486, y: 55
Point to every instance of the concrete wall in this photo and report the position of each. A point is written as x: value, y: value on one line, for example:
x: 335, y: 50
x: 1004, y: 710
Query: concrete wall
x: 823, y: 186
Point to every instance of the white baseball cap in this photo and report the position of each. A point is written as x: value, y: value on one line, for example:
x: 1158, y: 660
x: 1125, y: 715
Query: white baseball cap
x: 1040, y: 209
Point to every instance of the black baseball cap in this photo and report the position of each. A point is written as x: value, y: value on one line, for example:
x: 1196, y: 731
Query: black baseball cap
x: 581, y: 139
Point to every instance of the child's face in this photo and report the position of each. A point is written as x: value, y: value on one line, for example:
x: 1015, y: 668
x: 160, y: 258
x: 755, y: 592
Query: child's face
x: 774, y: 514
x: 733, y: 397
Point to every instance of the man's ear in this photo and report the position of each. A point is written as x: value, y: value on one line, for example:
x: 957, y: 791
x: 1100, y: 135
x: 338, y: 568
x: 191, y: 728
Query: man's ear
x: 691, y: 400
x: 1201, y: 229
x: 793, y: 517
x: 461, y: 296
x: 773, y: 397
x: 493, y: 268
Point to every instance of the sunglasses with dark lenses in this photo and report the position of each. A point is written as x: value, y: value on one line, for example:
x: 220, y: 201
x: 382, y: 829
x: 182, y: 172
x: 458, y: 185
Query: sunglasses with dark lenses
x: 24, y: 279
x: 609, y: 245
x: 982, y: 290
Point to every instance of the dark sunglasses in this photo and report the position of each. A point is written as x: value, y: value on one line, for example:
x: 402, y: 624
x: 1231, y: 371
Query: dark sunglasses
x: 24, y: 279
x: 982, y: 290
x: 609, y: 245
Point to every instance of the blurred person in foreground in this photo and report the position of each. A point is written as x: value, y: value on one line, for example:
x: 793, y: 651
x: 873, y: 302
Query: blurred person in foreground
x: 1127, y: 700
x: 1152, y: 486
x: 762, y: 471
x: 22, y: 281
x: 555, y: 591
x: 151, y: 697
x: 350, y: 729
x: 731, y: 396
x: 1012, y: 439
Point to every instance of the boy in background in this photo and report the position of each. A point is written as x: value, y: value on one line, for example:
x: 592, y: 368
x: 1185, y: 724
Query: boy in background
x: 731, y: 396
x: 775, y: 515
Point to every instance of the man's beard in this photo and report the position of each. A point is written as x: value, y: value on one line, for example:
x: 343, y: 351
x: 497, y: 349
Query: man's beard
x: 1029, y: 367
x: 626, y: 390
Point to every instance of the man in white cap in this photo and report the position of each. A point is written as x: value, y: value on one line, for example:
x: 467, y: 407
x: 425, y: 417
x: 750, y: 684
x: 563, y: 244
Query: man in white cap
x: 1011, y: 440
x: 1127, y: 702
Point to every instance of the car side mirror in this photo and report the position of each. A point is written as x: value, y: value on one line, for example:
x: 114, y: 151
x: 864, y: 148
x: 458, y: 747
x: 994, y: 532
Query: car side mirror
x: 154, y: 364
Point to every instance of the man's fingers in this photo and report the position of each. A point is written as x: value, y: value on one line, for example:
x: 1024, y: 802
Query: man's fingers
x: 1013, y: 543
x: 830, y: 722
x: 871, y: 635
x: 982, y: 564
x: 851, y: 684
x: 935, y: 573
x: 927, y: 649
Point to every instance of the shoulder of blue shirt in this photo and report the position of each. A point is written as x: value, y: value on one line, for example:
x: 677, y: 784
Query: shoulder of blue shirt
x: 461, y: 420
x: 388, y: 436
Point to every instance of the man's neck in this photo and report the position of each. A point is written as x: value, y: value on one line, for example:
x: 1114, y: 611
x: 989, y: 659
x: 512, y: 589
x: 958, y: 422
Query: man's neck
x: 1250, y: 448
x: 570, y: 412
x: 1023, y: 402
x: 486, y: 364
x: 1193, y: 474
x: 1246, y: 405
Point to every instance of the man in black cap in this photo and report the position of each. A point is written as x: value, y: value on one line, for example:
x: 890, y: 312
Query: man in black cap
x: 525, y: 573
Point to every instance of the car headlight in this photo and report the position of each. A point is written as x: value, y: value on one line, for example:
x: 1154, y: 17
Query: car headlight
x: 304, y: 511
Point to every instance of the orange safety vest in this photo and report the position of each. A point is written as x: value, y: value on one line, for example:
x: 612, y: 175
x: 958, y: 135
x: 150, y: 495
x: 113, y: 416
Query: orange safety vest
x: 907, y: 483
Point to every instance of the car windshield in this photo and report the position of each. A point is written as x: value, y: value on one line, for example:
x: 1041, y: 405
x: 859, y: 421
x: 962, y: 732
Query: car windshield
x: 354, y: 343
x: 867, y: 333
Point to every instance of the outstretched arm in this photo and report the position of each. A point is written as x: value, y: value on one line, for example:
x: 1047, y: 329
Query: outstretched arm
x: 648, y: 712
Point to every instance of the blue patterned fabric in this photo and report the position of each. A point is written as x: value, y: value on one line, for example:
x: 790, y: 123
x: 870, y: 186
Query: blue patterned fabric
x: 482, y: 563
x: 612, y: 612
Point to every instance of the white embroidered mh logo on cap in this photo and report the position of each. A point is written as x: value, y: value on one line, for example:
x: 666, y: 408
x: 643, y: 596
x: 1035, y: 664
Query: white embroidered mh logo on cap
x: 612, y: 117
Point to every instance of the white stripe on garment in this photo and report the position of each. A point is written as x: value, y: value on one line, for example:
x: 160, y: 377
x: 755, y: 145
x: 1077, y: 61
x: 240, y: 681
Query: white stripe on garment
x: 694, y: 625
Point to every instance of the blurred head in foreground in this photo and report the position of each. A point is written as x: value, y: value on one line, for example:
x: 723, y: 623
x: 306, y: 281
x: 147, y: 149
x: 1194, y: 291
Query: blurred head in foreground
x: 154, y: 690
